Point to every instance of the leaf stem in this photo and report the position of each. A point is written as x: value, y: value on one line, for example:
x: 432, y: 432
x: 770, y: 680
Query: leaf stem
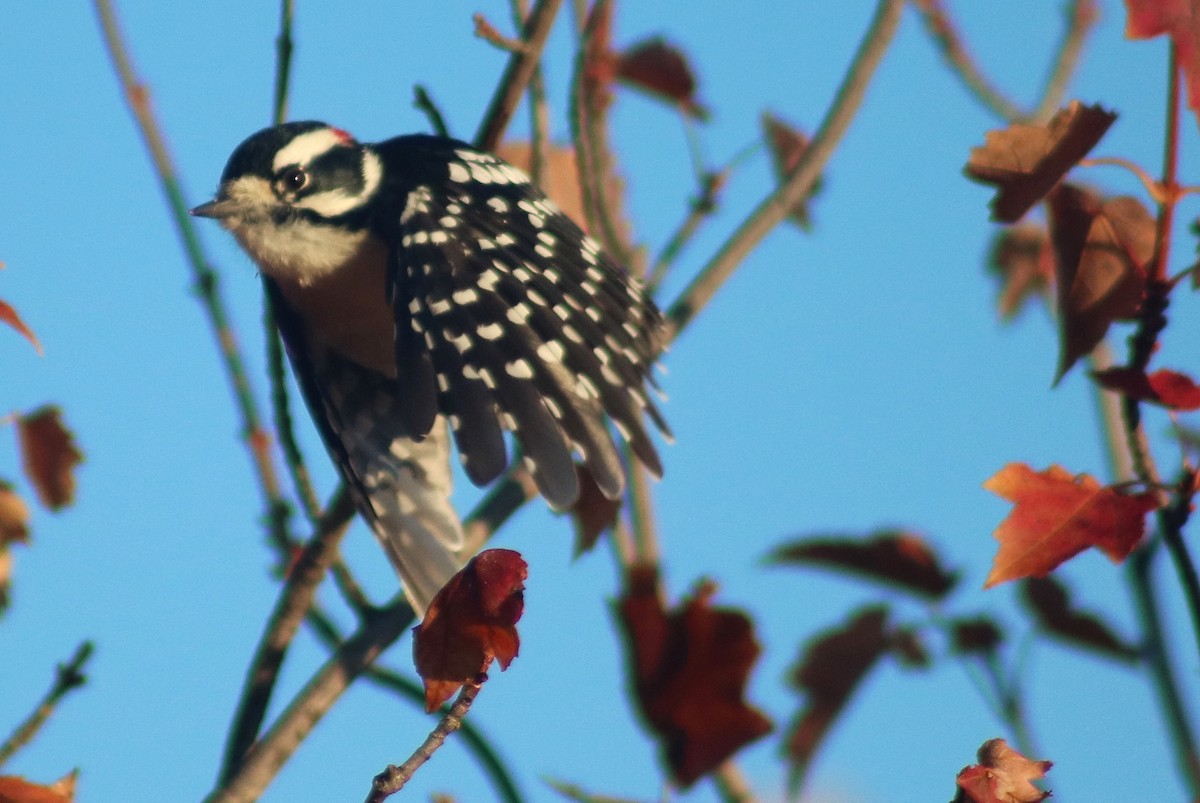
x: 68, y: 677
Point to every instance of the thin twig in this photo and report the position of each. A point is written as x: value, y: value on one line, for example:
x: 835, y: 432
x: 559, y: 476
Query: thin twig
x: 474, y: 741
x: 294, y: 601
x: 539, y: 113
x: 699, y: 210
x: 641, y: 513
x: 424, y: 102
x: 488, y: 33
x: 945, y: 34
x: 516, y: 75
x: 205, y: 279
x: 507, y: 496
x: 352, y: 658
x: 775, y: 208
x: 67, y: 677
x: 732, y: 785
x: 393, y: 779
x: 1081, y: 17
x: 283, y: 61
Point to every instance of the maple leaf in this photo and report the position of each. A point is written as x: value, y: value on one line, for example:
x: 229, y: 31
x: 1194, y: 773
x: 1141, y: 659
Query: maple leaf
x: 662, y: 70
x: 49, y: 456
x: 1104, y: 249
x: 14, y: 789
x: 690, y: 668
x: 9, y: 316
x: 1171, y: 389
x: 895, y: 557
x: 1003, y: 776
x: 1025, y: 161
x: 470, y: 622
x: 1056, y: 516
x: 593, y: 512
x: 788, y: 144
x: 1023, y: 260
x: 1051, y: 604
x: 1179, y: 19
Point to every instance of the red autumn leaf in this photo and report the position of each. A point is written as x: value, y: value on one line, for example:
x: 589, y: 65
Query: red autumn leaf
x: 593, y: 512
x: 1169, y: 388
x: 1051, y: 604
x: 787, y: 145
x: 894, y: 557
x: 663, y: 70
x: 49, y: 456
x: 690, y: 668
x: 1056, y: 516
x: 470, y: 622
x: 1003, y: 776
x: 14, y: 789
x: 834, y: 664
x: 1179, y: 19
x: 1025, y: 161
x: 1103, y: 249
x: 14, y: 517
x: 9, y: 316
x: 1023, y: 260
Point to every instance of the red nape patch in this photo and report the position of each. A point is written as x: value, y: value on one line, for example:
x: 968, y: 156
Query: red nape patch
x: 342, y: 135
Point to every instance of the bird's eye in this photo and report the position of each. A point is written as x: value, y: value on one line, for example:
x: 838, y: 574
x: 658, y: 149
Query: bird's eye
x: 293, y: 180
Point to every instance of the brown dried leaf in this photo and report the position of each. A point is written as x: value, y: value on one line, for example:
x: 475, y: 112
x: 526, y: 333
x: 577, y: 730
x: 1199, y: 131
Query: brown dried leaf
x: 470, y: 622
x: 593, y: 512
x: 1104, y: 249
x: 662, y: 70
x: 1050, y: 602
x: 787, y: 144
x: 1003, y: 776
x: 1022, y: 258
x: 1026, y: 161
x: 49, y: 456
x: 690, y: 669
x: 978, y: 635
x: 834, y: 663
x: 14, y: 516
x: 895, y: 557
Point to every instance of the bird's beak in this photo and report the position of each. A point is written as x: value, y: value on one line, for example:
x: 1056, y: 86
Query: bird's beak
x: 219, y: 208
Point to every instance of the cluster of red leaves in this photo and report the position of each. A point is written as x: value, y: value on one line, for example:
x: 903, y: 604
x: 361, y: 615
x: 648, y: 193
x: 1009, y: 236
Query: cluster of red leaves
x: 1164, y: 387
x: 1057, y: 515
x: 471, y: 622
x: 1002, y: 776
x: 19, y: 790
x: 690, y: 667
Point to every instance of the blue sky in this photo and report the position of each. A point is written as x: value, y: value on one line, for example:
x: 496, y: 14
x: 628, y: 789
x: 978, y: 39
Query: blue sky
x: 846, y: 379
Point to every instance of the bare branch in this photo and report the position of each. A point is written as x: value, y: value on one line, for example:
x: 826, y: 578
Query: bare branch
x: 69, y: 676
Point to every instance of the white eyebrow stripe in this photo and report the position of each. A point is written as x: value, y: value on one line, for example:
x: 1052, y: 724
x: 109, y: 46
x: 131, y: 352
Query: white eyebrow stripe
x: 306, y: 147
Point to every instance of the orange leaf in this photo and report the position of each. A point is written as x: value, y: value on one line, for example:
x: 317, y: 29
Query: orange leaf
x: 49, y: 456
x: 663, y: 70
x: 592, y: 512
x: 1169, y: 388
x: 1103, y: 251
x: 18, y: 790
x: 690, y: 669
x: 14, y: 517
x: 787, y: 145
x: 1056, y: 516
x: 1051, y: 604
x: 9, y: 316
x: 470, y: 622
x: 1022, y: 258
x: 1003, y: 776
x: 1179, y: 19
x: 1026, y: 161
x: 891, y: 556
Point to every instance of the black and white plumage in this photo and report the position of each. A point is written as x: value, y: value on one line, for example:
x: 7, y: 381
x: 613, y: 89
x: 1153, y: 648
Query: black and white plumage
x: 417, y: 278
